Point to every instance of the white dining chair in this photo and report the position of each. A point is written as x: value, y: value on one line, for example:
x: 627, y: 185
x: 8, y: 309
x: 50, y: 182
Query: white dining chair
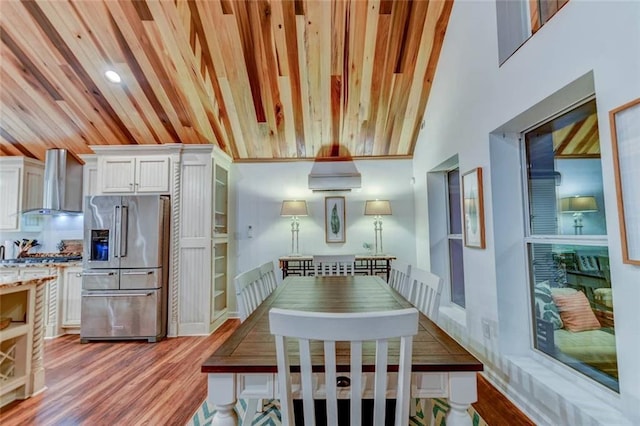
x: 338, y: 264
x: 252, y: 287
x: 249, y: 292
x: 355, y: 328
x: 425, y: 289
x: 268, y: 276
x: 399, y: 277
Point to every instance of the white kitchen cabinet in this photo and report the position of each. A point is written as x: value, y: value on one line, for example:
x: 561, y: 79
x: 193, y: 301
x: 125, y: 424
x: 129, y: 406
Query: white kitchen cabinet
x: 89, y: 175
x: 8, y: 273
x: 134, y: 175
x: 71, y: 289
x: 31, y: 272
x: 21, y: 186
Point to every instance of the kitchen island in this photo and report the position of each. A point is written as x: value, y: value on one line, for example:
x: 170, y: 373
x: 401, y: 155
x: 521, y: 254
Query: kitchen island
x: 21, y: 342
x: 62, y: 295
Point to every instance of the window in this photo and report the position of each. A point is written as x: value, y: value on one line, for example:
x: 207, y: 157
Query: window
x: 517, y: 20
x: 570, y: 285
x: 456, y: 270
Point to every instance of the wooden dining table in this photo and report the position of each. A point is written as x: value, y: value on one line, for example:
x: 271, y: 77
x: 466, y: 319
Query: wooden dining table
x: 245, y: 366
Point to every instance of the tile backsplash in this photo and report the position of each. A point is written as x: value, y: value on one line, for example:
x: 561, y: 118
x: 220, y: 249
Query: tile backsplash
x: 54, y: 229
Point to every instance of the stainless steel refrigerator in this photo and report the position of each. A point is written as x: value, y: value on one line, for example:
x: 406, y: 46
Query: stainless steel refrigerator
x: 125, y: 267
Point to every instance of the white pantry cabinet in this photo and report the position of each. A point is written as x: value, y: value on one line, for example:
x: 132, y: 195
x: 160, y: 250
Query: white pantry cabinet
x: 220, y: 283
x: 21, y: 186
x: 203, y: 241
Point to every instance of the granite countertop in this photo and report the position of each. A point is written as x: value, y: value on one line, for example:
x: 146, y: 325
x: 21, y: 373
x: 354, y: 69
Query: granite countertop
x: 42, y: 264
x: 15, y: 282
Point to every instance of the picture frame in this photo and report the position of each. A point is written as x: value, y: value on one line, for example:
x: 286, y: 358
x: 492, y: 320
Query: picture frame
x: 473, y: 208
x: 625, y: 141
x: 334, y: 219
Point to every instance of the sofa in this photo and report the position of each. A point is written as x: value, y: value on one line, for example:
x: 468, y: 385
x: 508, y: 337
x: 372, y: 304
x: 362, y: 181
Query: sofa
x: 572, y: 331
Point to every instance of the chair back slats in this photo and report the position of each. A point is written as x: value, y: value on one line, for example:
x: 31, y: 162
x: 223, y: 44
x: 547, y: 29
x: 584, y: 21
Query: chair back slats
x: 343, y: 264
x: 399, y: 277
x: 249, y: 292
x: 355, y: 328
x: 268, y: 276
x: 425, y: 291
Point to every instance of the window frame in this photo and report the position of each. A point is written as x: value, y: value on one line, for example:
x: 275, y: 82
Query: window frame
x: 530, y: 239
x: 457, y: 237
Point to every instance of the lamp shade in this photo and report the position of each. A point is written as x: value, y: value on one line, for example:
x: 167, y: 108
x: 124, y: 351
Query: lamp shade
x: 377, y: 208
x: 578, y: 204
x: 294, y: 208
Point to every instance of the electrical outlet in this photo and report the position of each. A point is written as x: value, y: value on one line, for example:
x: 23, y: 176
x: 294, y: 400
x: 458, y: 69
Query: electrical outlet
x: 486, y: 329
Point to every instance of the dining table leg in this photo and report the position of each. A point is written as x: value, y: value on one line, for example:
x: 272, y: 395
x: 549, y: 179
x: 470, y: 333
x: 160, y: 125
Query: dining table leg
x: 222, y: 395
x: 463, y: 390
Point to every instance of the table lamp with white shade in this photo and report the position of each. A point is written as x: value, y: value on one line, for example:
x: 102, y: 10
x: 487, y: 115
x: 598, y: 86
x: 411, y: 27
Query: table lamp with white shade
x: 294, y: 209
x: 578, y: 205
x: 377, y: 209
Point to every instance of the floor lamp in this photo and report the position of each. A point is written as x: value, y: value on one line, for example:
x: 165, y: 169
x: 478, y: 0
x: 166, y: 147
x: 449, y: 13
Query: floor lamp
x: 578, y: 205
x: 377, y: 209
x: 294, y: 209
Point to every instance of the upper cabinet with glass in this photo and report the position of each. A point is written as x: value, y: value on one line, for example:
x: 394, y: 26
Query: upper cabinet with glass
x: 565, y: 175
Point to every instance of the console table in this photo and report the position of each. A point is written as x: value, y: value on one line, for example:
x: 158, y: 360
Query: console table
x: 365, y: 265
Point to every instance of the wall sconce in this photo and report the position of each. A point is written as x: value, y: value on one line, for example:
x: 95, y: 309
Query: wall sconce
x: 377, y: 208
x: 295, y: 209
x: 578, y: 205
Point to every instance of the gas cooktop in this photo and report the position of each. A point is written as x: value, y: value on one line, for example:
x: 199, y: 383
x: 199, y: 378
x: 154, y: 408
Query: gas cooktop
x: 45, y: 258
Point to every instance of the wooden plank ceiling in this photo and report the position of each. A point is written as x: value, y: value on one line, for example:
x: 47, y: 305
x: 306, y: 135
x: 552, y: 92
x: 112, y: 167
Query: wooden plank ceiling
x: 262, y: 79
x: 578, y: 140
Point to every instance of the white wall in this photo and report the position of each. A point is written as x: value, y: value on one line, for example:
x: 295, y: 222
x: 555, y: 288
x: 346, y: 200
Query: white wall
x: 474, y: 105
x: 259, y: 189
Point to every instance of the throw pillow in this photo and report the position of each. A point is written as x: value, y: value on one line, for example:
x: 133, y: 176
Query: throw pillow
x: 576, y: 312
x: 545, y: 307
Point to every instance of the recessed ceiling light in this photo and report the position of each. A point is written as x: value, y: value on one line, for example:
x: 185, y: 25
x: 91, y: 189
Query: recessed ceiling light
x: 113, y: 76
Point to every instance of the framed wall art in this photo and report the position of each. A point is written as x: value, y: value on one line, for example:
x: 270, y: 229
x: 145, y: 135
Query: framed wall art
x: 334, y: 219
x: 473, y: 208
x: 625, y: 140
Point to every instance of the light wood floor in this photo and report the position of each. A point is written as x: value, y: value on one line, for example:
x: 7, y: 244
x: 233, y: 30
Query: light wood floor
x: 134, y: 383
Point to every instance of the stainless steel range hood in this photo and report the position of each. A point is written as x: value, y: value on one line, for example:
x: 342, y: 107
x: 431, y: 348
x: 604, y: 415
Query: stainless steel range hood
x: 339, y: 175
x: 62, y: 185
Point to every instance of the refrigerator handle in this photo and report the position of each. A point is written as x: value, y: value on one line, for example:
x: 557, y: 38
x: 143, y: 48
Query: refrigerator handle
x: 137, y: 273
x: 124, y: 227
x: 116, y: 227
x: 113, y: 294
